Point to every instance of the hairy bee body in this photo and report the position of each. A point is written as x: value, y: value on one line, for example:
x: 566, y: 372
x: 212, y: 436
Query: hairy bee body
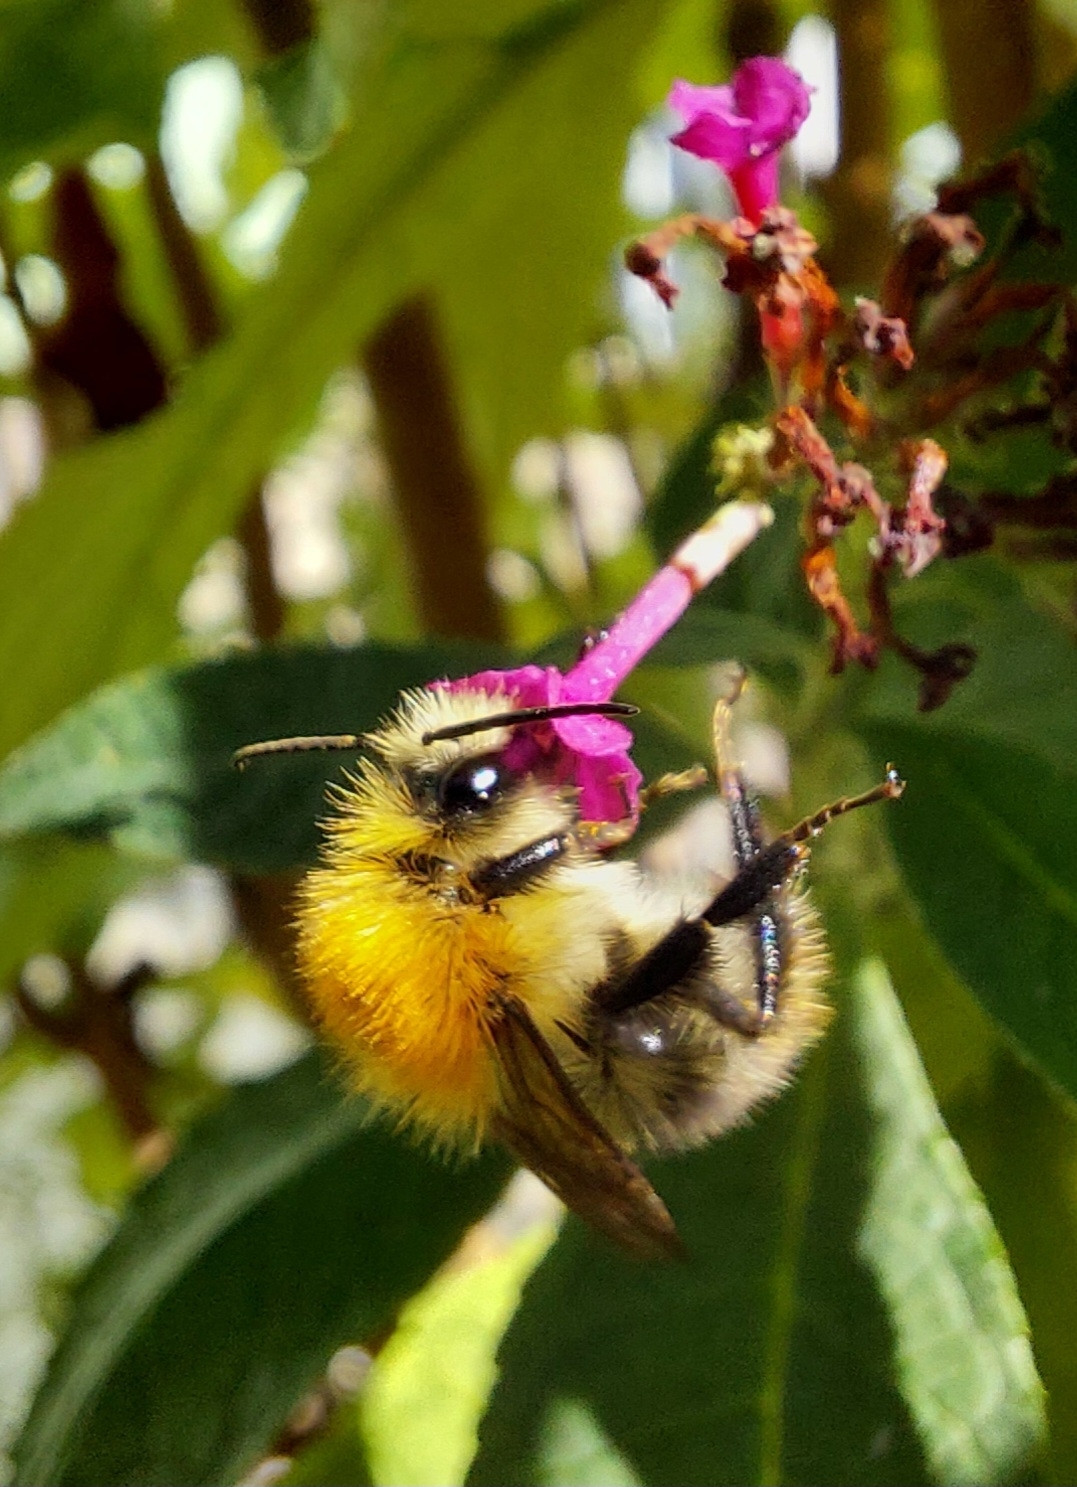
x: 669, y: 1075
x: 485, y: 970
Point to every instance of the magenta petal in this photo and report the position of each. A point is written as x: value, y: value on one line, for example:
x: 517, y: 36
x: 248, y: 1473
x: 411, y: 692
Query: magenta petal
x: 659, y: 604
x: 524, y: 686
x: 595, y: 736
x: 588, y: 752
x: 689, y: 100
x: 755, y: 185
x: 774, y: 97
x: 741, y: 127
x: 609, y: 788
x: 727, y: 142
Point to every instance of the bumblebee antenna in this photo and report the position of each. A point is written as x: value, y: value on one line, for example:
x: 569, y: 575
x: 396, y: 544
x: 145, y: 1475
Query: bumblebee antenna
x: 892, y: 787
x: 531, y: 715
x: 323, y: 741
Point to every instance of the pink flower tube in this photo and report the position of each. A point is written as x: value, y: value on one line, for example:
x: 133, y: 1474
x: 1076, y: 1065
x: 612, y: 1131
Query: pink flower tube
x: 742, y: 125
x: 593, y: 753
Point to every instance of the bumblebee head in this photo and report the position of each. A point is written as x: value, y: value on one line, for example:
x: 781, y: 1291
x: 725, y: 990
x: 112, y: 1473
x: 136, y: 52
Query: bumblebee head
x: 456, y: 775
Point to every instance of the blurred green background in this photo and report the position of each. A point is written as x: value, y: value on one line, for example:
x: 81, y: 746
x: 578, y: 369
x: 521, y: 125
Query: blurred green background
x: 319, y: 377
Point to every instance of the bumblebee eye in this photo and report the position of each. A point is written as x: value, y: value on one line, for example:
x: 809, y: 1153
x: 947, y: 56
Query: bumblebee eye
x: 472, y: 787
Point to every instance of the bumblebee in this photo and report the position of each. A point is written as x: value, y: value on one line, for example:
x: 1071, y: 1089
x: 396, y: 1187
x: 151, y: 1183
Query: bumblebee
x: 487, y: 971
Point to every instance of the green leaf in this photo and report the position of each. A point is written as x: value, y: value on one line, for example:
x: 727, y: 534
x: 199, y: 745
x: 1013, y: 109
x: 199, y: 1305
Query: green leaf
x: 434, y: 21
x: 987, y: 832
x: 338, y: 1456
x: 429, y: 1385
x: 147, y: 761
x: 53, y: 897
x: 73, y: 77
x: 685, y: 497
x: 955, y: 1038
x: 846, y: 1314
x: 303, y: 98
x: 1021, y: 1141
x: 530, y: 281
x: 707, y: 633
x: 282, y: 1229
x: 95, y: 564
x: 1049, y: 139
x: 962, y: 1348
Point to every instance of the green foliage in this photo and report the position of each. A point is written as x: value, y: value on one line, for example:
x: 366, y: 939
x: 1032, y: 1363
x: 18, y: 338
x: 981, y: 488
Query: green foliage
x: 439, y: 1367
x: 986, y: 836
x: 842, y: 1230
x: 53, y: 894
x: 879, y: 1270
x: 75, y: 77
x: 284, y: 1227
x: 303, y: 98
x: 147, y: 762
x: 123, y: 520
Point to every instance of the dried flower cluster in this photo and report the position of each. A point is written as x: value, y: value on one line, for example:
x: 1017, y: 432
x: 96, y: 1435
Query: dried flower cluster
x: 876, y: 381
x: 873, y: 379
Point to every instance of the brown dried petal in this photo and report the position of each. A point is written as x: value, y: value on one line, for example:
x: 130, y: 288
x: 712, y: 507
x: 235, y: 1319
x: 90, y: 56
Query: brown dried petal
x: 882, y: 335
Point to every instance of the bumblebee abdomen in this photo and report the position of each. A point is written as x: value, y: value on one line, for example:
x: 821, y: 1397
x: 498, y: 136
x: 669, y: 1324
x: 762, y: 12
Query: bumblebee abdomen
x: 671, y: 1074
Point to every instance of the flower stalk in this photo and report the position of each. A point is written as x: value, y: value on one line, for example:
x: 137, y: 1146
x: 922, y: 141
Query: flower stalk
x: 590, y: 752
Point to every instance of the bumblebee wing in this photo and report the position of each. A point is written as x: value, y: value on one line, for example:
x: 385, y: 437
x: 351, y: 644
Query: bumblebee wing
x: 545, y: 1123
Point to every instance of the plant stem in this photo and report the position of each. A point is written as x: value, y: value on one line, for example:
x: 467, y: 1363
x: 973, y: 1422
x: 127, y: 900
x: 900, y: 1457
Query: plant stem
x: 264, y: 602
x: 988, y: 51
x: 437, y: 492
x: 281, y: 24
x: 99, y: 1025
x: 859, y: 192
x: 201, y: 318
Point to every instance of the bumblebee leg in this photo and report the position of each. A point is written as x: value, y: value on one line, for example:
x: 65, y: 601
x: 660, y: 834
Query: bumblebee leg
x: 752, y: 895
x: 756, y: 865
x: 891, y: 788
x: 674, y: 783
x: 672, y: 963
x: 762, y: 869
x: 600, y: 836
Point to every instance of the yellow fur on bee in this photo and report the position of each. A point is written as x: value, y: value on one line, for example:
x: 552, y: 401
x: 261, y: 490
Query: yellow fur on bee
x: 404, y: 992
x: 405, y: 984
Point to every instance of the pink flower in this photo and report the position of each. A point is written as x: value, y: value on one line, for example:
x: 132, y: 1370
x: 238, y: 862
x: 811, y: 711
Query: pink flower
x: 742, y: 125
x: 591, y: 752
